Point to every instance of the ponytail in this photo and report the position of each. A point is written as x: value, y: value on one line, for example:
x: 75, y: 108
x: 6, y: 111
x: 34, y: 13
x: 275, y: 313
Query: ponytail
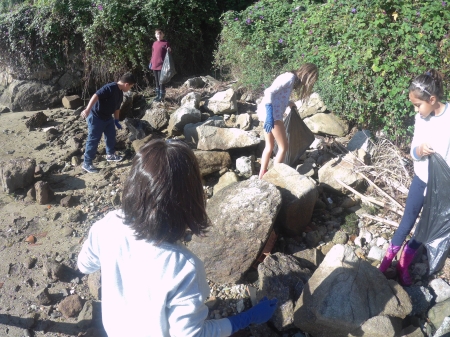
x: 428, y: 84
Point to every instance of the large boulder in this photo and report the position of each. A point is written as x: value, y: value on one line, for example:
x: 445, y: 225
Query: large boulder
x: 182, y: 116
x: 311, y: 106
x: 212, y: 161
x: 23, y: 96
x: 342, y: 169
x: 191, y: 100
x: 157, y: 117
x: 242, y: 217
x: 344, y: 293
x: 225, y: 180
x: 190, y: 131
x: 223, y: 102
x: 281, y: 276
x: 299, y: 195
x: 326, y: 123
x: 214, y: 138
x: 17, y: 173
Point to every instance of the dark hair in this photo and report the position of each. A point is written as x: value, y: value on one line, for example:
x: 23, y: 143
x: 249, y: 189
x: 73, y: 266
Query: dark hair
x: 163, y: 195
x: 159, y: 30
x: 307, y: 75
x: 128, y: 78
x: 428, y: 84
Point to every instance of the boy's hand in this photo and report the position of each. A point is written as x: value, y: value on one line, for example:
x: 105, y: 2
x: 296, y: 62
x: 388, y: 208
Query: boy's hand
x: 116, y: 122
x: 85, y: 113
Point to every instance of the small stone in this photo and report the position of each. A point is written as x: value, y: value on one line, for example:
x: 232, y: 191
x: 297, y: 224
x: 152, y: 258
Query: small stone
x: 43, y: 297
x: 71, y: 306
x: 29, y: 262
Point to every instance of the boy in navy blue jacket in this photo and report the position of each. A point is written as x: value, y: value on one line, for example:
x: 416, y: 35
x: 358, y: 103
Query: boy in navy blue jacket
x: 99, y: 115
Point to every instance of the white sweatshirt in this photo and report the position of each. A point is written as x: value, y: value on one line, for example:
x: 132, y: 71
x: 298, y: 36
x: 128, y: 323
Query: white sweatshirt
x: 147, y: 290
x: 278, y: 94
x: 434, y: 130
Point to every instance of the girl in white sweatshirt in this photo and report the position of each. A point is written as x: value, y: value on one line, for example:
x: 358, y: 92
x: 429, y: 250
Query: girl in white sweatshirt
x: 152, y: 285
x: 431, y: 135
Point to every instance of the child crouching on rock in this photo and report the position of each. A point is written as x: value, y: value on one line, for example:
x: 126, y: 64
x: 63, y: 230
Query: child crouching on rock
x: 150, y: 280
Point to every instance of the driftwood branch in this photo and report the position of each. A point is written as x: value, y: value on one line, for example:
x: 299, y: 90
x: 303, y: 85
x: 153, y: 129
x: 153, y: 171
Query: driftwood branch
x: 379, y: 219
x: 382, y: 192
x: 368, y: 199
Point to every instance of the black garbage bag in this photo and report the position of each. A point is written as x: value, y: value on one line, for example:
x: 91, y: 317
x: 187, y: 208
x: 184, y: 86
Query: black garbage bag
x: 299, y: 137
x: 168, y: 69
x: 433, y: 229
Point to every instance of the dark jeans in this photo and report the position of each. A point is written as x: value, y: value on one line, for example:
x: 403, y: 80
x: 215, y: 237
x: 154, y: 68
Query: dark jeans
x: 97, y: 127
x: 414, y: 203
x: 159, y: 86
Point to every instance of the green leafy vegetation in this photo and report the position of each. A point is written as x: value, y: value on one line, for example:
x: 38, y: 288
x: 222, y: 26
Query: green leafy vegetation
x: 367, y: 51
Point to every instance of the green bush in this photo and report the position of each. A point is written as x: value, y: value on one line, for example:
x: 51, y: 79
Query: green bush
x: 367, y: 51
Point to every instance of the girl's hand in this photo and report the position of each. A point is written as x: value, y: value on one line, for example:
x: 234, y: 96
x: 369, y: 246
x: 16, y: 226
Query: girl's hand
x: 424, y: 150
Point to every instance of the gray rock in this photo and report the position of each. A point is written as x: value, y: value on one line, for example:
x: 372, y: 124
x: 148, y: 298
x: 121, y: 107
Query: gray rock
x: 17, y: 173
x: 420, y: 299
x: 309, y: 258
x: 73, y: 215
x: 212, y: 161
x: 138, y: 143
x: 376, y: 253
x: 225, y: 180
x: 299, y: 197
x: 190, y: 130
x: 223, y: 102
x: 342, y: 169
x: 361, y: 140
x: 242, y: 217
x: 381, y: 326
x: 29, y: 96
x: 157, y: 117
x: 52, y: 269
x: 311, y: 106
x: 191, y: 100
x: 438, y: 312
x: 441, y: 289
x: 214, y: 138
x: 340, y: 238
x: 281, y: 276
x: 245, y: 166
x: 244, y: 122
x: 181, y: 117
x: 72, y: 102
x: 444, y: 329
x: 313, y: 238
x: 345, y: 292
x: 85, y: 316
x: 44, y: 194
x: 43, y: 297
x: 71, y: 306
x: 36, y: 120
x: 327, y: 123
x: 195, y: 82
x: 306, y: 169
x: 67, y: 201
x: 262, y: 330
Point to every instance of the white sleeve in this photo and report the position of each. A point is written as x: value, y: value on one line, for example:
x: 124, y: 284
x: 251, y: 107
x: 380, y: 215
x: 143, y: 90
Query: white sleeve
x: 187, y: 311
x: 417, y: 137
x: 88, y: 259
x: 281, y: 82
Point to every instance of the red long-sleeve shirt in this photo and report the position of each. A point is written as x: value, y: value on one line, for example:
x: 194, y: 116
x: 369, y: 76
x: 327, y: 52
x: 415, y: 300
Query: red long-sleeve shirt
x: 159, y: 50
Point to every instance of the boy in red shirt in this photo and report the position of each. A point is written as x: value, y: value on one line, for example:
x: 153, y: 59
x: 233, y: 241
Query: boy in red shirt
x: 159, y: 49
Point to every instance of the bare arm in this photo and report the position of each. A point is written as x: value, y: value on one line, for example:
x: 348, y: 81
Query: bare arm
x: 87, y: 111
x: 116, y: 114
